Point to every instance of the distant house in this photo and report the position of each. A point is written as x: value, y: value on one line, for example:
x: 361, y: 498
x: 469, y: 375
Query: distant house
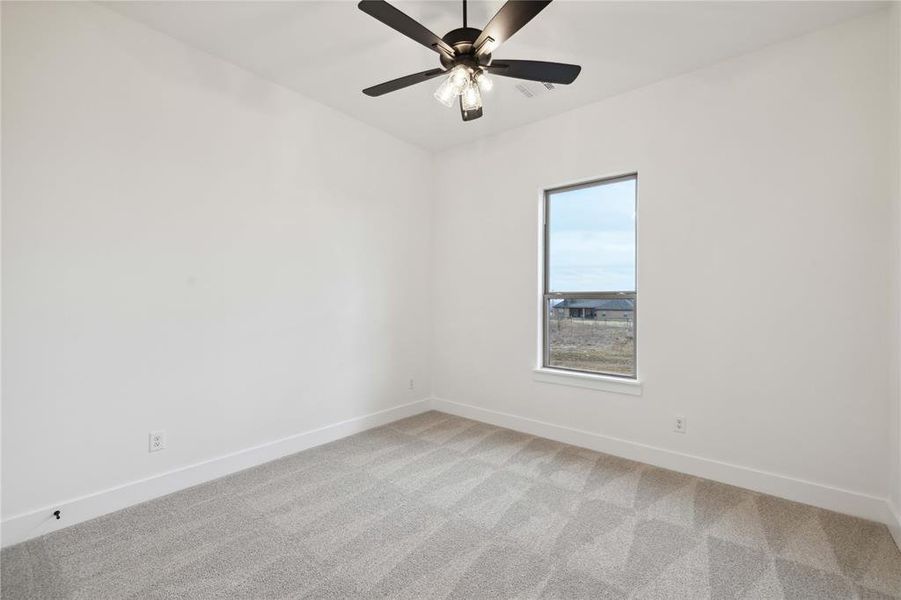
x: 617, y: 309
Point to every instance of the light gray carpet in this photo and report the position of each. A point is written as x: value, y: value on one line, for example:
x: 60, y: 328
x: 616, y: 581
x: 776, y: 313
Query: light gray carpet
x: 436, y: 506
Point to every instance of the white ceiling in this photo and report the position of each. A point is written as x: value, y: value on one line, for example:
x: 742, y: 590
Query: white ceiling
x: 329, y: 51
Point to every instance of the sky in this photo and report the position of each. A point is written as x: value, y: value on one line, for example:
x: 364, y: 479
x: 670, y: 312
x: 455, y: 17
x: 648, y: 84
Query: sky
x: 592, y: 238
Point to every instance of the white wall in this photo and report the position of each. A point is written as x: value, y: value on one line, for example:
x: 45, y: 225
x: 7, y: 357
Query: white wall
x: 188, y: 247
x: 895, y: 24
x: 765, y: 243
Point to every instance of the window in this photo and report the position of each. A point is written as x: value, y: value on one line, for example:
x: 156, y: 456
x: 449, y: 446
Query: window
x: 589, y: 301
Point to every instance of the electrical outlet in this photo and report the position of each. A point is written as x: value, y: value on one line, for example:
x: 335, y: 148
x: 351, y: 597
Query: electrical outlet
x: 411, y: 386
x: 680, y: 425
x: 157, y: 441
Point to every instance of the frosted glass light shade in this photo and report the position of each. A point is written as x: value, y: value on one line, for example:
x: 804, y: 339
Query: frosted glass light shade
x: 472, y: 99
x: 459, y: 78
x: 484, y: 82
x: 446, y: 93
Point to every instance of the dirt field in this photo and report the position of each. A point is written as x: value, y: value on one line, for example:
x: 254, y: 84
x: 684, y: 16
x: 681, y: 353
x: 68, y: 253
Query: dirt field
x: 592, y: 345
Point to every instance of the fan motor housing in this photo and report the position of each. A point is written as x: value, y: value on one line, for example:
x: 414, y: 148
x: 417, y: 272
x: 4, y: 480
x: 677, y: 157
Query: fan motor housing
x: 462, y: 40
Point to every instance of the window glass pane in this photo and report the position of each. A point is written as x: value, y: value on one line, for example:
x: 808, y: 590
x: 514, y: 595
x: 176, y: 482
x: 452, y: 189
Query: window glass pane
x: 591, y: 238
x: 592, y: 335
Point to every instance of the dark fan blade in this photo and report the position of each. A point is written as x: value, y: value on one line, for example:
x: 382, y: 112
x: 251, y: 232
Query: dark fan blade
x: 535, y: 70
x: 509, y: 19
x: 402, y: 82
x: 470, y: 115
x: 398, y: 21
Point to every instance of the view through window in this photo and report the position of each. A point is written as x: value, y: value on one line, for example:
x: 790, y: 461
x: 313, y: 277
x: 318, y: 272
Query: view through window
x: 589, y: 277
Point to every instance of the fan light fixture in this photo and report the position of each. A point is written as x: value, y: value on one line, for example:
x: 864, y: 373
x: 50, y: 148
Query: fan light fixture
x: 466, y: 84
x: 446, y: 94
x: 481, y: 78
x: 465, y: 55
x: 471, y: 99
x: 459, y: 77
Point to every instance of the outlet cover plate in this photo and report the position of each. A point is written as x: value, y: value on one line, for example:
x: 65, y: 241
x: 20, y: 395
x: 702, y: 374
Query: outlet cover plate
x: 157, y: 441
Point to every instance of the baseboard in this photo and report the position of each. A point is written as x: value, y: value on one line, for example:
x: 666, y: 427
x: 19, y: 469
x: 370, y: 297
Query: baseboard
x: 39, y: 522
x: 895, y: 525
x: 807, y: 492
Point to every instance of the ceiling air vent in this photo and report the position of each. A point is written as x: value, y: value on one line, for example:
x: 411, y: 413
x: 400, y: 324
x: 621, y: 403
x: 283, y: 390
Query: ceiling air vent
x: 535, y: 88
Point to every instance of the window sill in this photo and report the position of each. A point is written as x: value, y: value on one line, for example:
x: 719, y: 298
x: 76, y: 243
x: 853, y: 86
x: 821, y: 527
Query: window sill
x: 605, y: 383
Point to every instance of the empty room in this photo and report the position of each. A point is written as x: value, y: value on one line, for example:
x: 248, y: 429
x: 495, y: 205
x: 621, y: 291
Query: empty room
x: 420, y: 299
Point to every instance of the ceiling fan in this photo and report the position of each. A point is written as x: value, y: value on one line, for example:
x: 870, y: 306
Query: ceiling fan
x: 465, y: 54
